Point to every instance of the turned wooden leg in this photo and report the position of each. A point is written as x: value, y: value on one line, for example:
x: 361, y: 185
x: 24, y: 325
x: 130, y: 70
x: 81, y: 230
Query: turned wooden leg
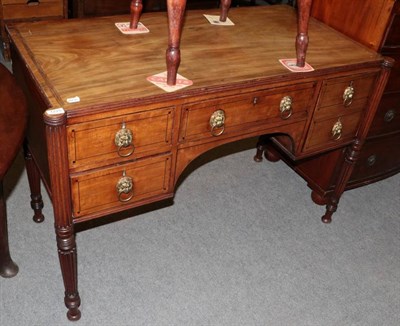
x: 57, y: 148
x: 136, y: 12
x: 7, y: 267
x: 225, y: 5
x: 304, y: 7
x: 176, y: 11
x: 264, y: 146
x: 34, y: 185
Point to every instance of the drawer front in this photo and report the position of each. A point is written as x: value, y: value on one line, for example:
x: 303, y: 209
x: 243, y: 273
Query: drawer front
x: 119, y: 139
x: 387, y: 118
x: 17, y: 9
x: 332, y: 131
x: 242, y: 113
x: 97, y: 191
x: 343, y: 95
x: 378, y: 156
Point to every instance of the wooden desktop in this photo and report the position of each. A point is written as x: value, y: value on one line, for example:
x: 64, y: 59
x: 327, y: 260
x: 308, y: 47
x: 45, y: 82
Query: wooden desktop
x: 104, y: 140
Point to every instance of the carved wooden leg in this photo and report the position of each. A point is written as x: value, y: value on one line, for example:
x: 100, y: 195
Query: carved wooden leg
x: 34, y: 185
x: 136, y: 12
x: 56, y: 136
x: 176, y: 11
x: 354, y: 150
x: 7, y: 267
x: 225, y: 5
x: 304, y: 7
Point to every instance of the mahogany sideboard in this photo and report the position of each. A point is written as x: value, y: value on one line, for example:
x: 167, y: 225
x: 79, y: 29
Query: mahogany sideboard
x: 104, y: 140
x: 376, y: 25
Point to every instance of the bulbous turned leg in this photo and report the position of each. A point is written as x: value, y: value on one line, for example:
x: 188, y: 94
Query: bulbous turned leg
x: 304, y: 8
x: 225, y: 5
x: 7, y: 267
x: 34, y: 185
x: 136, y: 12
x: 330, y: 209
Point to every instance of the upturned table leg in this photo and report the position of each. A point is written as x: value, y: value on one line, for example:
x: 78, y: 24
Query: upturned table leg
x: 304, y: 8
x: 7, y: 267
x: 136, y: 12
x: 34, y: 186
x: 176, y: 11
x: 225, y: 5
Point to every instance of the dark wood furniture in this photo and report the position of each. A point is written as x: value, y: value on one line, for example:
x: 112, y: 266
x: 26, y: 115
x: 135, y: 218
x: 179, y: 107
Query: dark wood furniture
x: 27, y: 10
x: 376, y: 24
x: 105, y: 140
x: 13, y: 120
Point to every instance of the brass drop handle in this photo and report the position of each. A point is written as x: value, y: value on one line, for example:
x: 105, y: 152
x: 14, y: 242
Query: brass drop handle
x: 337, y: 130
x: 348, y: 95
x: 124, y: 188
x: 285, y: 107
x: 124, y: 140
x: 217, y: 123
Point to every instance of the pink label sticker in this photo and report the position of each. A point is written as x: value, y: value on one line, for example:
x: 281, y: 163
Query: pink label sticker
x: 160, y: 80
x: 125, y: 29
x: 291, y: 64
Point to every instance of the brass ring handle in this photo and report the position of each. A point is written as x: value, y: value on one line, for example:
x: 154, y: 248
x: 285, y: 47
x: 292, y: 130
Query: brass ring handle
x: 217, y: 123
x: 285, y: 107
x: 123, y: 140
x: 125, y: 188
x: 337, y: 130
x: 348, y: 95
x: 371, y: 160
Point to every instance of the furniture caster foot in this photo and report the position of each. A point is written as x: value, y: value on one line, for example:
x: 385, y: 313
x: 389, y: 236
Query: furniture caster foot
x: 326, y: 219
x: 258, y: 157
x: 74, y: 314
x: 8, y: 269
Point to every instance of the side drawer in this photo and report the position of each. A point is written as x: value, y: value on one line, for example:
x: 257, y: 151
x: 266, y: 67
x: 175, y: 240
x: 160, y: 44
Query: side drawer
x: 387, y: 118
x: 332, y: 131
x: 345, y: 94
x: 17, y: 9
x: 97, y: 191
x: 246, y: 112
x: 121, y: 138
x: 378, y: 157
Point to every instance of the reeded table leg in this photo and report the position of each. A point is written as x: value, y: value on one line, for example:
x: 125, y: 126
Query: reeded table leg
x: 34, y: 185
x: 176, y: 11
x: 225, y: 5
x: 7, y: 267
x: 136, y: 12
x: 304, y: 8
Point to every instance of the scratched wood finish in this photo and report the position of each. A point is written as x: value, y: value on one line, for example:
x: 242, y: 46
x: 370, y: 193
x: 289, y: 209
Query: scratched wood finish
x: 96, y: 45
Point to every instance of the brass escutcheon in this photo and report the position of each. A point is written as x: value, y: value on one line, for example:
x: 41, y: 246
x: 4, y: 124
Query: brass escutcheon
x: 124, y: 188
x: 286, y: 107
x: 348, y: 95
x: 217, y: 123
x: 123, y: 140
x: 337, y: 130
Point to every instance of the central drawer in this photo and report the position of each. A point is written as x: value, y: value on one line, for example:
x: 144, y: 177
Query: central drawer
x: 245, y: 113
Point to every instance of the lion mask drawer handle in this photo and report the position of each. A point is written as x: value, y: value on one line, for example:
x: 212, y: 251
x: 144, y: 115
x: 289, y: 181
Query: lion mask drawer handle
x: 348, y: 95
x: 217, y: 123
x: 125, y: 188
x: 123, y: 140
x: 285, y: 107
x: 337, y: 130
